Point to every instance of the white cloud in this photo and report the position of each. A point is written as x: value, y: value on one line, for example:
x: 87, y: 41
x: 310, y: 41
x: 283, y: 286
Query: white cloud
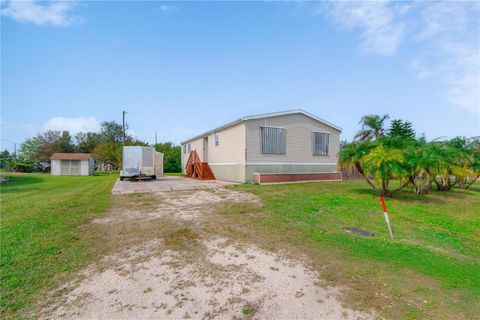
x: 443, y: 36
x: 167, y: 8
x: 74, y: 125
x: 381, y: 32
x: 462, y: 75
x: 439, y: 18
x: 451, y: 31
x: 55, y: 13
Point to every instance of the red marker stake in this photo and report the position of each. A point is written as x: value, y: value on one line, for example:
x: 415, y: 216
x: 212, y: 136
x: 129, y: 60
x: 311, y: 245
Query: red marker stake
x: 387, y: 220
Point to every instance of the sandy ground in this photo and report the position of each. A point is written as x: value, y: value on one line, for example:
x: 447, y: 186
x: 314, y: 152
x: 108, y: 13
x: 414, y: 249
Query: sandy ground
x: 165, y: 183
x: 197, y: 275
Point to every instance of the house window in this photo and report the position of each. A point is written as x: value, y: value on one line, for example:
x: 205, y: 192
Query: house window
x: 273, y: 140
x: 217, y: 139
x: 320, y: 142
x: 186, y: 148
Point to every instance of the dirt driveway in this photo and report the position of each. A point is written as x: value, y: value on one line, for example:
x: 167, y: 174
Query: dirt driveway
x: 166, y: 183
x: 172, y: 256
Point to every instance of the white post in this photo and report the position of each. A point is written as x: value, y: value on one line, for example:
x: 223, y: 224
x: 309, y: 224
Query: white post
x: 387, y: 220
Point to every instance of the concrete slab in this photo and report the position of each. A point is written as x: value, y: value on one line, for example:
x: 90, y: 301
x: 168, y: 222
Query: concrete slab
x: 167, y: 183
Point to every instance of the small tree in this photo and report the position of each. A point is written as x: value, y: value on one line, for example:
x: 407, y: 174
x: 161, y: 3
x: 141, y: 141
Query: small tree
x: 111, y: 131
x: 87, y: 141
x: 385, y: 164
x: 470, y: 172
x: 171, y: 156
x: 402, y: 129
x: 420, y: 159
x: 109, y: 151
x: 450, y: 168
x: 5, y: 156
x: 379, y: 162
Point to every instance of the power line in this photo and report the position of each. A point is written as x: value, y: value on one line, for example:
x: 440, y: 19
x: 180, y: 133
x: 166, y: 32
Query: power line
x: 14, y: 144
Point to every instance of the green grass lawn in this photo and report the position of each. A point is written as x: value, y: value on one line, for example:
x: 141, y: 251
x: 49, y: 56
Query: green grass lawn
x: 40, y: 242
x: 177, y: 174
x: 431, y: 270
x: 437, y: 240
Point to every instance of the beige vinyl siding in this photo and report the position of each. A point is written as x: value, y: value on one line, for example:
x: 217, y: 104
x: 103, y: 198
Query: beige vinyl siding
x: 226, y: 160
x: 87, y: 167
x: 299, y: 140
x: 194, y: 145
x: 55, y: 167
x: 231, y: 146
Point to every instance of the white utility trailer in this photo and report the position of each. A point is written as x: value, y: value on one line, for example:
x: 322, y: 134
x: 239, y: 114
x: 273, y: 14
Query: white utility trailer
x: 141, y: 162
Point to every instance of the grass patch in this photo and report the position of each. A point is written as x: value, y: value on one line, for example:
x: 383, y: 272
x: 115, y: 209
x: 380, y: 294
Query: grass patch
x: 434, y: 258
x: 175, y: 174
x: 41, y: 240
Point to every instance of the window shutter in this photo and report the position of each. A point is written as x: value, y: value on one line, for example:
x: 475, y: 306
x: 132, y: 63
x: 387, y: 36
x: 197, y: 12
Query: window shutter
x: 273, y: 140
x: 320, y: 142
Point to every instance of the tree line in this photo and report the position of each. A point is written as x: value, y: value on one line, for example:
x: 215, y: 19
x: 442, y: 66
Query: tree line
x: 105, y: 147
x: 395, y: 154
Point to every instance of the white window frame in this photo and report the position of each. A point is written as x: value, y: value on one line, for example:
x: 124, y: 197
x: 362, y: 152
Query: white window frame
x: 186, y: 148
x: 313, y: 143
x: 262, y: 141
x: 216, y: 139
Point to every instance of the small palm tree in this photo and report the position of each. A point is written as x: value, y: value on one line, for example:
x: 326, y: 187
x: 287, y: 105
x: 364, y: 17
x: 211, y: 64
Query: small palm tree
x: 378, y: 162
x: 420, y: 159
x: 373, y: 127
x: 352, y: 154
x: 385, y: 164
x: 454, y: 163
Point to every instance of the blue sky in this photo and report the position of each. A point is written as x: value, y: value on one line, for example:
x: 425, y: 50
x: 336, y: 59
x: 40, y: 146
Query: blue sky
x: 181, y: 68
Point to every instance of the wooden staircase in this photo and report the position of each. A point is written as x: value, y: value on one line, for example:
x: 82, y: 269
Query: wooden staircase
x: 197, y: 169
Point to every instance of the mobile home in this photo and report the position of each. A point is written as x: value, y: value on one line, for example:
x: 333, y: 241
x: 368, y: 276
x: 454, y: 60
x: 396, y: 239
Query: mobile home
x: 274, y: 147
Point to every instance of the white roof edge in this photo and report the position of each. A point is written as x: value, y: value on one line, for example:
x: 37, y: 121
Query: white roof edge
x: 260, y: 116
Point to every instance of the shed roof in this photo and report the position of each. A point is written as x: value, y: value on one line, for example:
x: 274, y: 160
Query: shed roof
x: 70, y: 156
x: 264, y: 115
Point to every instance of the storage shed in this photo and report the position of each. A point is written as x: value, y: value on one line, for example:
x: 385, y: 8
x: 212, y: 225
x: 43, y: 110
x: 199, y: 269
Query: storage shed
x: 72, y: 164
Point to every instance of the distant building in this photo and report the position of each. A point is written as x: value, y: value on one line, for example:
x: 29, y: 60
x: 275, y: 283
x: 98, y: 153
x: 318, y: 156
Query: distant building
x: 274, y: 147
x: 72, y: 164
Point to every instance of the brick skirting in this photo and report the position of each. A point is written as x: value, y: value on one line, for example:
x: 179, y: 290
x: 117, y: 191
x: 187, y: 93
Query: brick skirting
x: 295, y: 177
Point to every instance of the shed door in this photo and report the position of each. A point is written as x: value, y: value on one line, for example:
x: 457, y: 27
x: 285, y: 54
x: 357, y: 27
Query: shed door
x: 70, y: 167
x: 75, y: 167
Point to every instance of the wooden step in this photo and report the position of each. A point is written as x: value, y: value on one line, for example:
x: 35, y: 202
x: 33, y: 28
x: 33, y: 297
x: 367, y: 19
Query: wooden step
x: 207, y: 173
x: 197, y: 169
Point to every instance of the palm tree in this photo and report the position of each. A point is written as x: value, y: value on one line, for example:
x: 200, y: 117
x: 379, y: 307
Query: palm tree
x: 372, y: 127
x: 385, y: 164
x: 420, y: 159
x: 467, y: 169
x: 351, y: 155
x: 451, y: 165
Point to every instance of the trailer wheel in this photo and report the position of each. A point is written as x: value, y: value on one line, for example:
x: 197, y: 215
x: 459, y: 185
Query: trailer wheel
x: 121, y: 178
x: 154, y: 177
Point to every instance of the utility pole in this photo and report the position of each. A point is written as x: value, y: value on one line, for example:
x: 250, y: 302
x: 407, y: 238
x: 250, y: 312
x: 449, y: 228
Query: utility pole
x: 123, y: 119
x: 14, y: 146
x: 155, y: 137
